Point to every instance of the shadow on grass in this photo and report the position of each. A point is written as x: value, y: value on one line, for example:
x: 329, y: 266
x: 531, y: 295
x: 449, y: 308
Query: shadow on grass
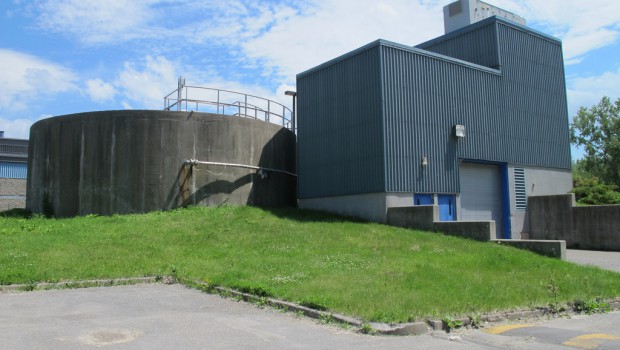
x: 16, y: 213
x: 290, y: 213
x: 307, y: 215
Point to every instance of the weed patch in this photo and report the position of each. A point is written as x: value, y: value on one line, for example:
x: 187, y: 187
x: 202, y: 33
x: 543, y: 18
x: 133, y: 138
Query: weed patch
x: 591, y: 306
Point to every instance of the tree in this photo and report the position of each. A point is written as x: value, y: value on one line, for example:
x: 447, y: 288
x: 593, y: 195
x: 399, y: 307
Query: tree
x: 588, y: 190
x: 597, y: 130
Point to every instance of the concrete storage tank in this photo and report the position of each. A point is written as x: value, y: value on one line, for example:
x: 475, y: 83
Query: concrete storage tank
x: 132, y: 161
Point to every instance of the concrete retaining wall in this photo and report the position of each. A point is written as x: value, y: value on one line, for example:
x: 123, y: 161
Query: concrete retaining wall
x: 131, y: 161
x: 426, y: 217
x: 479, y: 230
x: 422, y: 217
x: 553, y: 249
x: 588, y: 227
x: 367, y: 206
x: 12, y: 194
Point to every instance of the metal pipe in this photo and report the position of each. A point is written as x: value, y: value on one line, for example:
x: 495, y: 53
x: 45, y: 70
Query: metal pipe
x: 193, y: 162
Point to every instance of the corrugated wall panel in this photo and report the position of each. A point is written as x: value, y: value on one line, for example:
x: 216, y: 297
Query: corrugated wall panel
x: 13, y: 170
x: 477, y: 46
x: 517, y: 117
x: 424, y: 98
x: 367, y: 119
x: 534, y: 94
x: 339, y: 128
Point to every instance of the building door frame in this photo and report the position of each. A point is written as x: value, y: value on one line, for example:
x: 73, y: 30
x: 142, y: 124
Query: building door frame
x: 504, y: 191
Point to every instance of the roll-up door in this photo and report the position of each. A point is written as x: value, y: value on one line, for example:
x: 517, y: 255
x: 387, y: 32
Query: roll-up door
x: 480, y: 193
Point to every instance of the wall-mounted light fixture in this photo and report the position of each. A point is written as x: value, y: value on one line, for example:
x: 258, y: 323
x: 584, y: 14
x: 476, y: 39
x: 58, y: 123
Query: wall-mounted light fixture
x: 424, y: 161
x: 458, y: 131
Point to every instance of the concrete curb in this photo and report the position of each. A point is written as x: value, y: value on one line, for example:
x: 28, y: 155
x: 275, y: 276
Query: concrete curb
x: 413, y: 328
x: 289, y: 306
x: 400, y: 329
x: 77, y: 284
x: 416, y: 328
x: 438, y: 325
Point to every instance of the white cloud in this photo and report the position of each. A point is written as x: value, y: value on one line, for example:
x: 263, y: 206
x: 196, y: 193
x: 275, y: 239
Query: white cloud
x: 18, y: 128
x: 186, y: 21
x: 330, y: 29
x: 286, y: 39
x: 148, y: 82
x: 583, y: 26
x: 95, y: 21
x: 588, y: 91
x: 279, y: 34
x: 25, y: 78
x: 100, y: 91
x: 275, y: 40
x: 145, y: 83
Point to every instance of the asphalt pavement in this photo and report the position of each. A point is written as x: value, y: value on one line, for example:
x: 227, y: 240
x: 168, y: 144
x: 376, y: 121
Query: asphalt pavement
x: 604, y: 260
x: 157, y: 316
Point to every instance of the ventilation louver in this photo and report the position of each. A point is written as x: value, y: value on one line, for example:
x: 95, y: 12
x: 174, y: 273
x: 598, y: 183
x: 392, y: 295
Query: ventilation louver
x: 520, y: 195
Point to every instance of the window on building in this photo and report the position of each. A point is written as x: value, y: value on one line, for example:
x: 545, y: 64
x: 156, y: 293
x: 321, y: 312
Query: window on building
x: 9, y: 170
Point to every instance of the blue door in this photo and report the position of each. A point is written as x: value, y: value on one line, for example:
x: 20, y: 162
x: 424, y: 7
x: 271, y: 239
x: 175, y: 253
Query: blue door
x: 447, y: 207
x: 423, y: 199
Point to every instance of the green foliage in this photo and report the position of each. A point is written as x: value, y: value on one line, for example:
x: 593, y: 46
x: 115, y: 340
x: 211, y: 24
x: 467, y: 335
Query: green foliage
x: 591, y: 191
x: 554, y: 290
x: 257, y: 291
x: 597, y: 130
x: 591, y: 306
x: 451, y: 323
x: 313, y: 304
x: 326, y: 319
x: 366, y: 328
x: 475, y: 320
x: 371, y: 271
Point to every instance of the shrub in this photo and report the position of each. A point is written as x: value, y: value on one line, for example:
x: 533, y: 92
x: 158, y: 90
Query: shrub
x: 592, y: 191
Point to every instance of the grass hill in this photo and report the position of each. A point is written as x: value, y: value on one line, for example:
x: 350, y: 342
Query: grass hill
x: 368, y: 270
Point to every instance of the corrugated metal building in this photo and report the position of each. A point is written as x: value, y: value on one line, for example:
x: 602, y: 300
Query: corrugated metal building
x: 13, y: 158
x: 13, y: 172
x: 377, y: 127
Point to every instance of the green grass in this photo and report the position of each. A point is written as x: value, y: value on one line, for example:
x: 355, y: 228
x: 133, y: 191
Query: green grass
x: 372, y: 271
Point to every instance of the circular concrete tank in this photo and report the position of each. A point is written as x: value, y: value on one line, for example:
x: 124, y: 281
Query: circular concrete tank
x: 132, y: 162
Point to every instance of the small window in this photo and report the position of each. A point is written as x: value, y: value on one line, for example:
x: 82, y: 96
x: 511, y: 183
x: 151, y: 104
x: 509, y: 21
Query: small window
x: 520, y: 195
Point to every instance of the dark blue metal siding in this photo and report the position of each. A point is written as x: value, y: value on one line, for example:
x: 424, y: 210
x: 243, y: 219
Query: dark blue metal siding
x: 424, y: 98
x: 340, y: 127
x: 476, y: 46
x: 366, y: 119
x: 517, y: 116
x: 534, y: 99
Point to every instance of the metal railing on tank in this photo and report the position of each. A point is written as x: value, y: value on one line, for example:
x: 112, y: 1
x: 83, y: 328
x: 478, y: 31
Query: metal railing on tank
x: 218, y: 101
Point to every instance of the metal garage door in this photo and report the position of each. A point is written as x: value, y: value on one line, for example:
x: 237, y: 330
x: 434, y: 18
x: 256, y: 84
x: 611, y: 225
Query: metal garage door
x: 480, y: 193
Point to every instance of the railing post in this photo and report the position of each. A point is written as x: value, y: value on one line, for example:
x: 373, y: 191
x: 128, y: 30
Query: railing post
x: 181, y: 84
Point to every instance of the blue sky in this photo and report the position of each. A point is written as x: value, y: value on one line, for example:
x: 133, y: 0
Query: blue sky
x: 69, y: 56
